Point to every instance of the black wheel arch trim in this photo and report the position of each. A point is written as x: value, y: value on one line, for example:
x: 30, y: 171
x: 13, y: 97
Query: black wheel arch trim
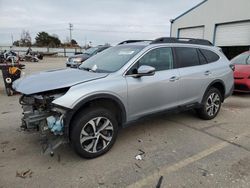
x: 214, y: 82
x: 70, y: 113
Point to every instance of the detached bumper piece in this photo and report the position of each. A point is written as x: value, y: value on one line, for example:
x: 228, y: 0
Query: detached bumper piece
x: 49, y: 144
x: 38, y: 116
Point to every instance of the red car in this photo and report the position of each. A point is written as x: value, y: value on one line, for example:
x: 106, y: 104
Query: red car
x: 242, y: 72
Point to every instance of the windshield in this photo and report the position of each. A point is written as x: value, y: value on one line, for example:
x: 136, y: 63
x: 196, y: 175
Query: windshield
x: 241, y: 59
x: 90, y: 51
x: 112, y: 59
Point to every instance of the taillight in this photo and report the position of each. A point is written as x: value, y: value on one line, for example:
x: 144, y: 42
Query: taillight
x: 232, y: 66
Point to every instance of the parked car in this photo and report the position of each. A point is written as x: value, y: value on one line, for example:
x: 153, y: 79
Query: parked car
x: 87, y: 106
x: 76, y: 60
x: 242, y: 72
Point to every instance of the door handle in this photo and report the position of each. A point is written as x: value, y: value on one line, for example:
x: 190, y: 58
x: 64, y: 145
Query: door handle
x: 207, y: 73
x: 173, y: 79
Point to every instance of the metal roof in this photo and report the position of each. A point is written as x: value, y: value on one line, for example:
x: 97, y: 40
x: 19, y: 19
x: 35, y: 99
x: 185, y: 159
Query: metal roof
x: 188, y: 11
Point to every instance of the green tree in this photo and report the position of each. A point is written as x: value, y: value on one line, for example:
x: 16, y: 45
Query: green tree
x: 54, y: 41
x: 73, y: 42
x: 44, y: 39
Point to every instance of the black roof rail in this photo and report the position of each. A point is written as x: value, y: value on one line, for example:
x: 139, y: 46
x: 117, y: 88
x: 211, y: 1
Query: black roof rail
x: 132, y: 41
x: 182, y: 40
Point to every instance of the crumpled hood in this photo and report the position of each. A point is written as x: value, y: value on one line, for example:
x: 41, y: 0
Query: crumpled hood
x: 54, y: 79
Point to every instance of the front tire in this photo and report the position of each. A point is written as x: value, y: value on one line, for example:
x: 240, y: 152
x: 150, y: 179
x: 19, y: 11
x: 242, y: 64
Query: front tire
x: 94, y: 132
x: 211, y: 104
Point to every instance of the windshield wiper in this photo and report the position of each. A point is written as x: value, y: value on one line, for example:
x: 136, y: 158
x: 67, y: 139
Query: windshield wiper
x: 87, y: 69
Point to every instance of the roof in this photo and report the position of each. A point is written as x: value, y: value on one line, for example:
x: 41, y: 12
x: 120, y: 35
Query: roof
x: 188, y: 11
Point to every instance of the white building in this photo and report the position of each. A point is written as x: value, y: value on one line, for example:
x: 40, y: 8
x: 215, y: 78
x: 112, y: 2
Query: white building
x: 226, y: 23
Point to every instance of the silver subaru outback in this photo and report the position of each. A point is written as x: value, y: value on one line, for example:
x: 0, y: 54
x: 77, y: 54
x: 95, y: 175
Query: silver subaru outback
x: 85, y: 107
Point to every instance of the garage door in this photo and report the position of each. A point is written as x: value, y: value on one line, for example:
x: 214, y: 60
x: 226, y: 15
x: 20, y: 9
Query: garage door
x: 196, y: 32
x: 237, y: 34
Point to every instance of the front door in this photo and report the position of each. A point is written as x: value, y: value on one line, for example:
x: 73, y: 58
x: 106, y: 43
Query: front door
x: 149, y: 94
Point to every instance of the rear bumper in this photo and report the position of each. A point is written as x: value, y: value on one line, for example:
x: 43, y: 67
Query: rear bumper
x: 230, y: 92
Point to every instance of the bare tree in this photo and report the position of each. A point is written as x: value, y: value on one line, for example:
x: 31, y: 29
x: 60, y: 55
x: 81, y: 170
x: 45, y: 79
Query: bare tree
x: 25, y: 38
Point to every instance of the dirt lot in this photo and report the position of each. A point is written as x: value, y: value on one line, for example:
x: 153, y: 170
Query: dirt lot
x: 184, y: 150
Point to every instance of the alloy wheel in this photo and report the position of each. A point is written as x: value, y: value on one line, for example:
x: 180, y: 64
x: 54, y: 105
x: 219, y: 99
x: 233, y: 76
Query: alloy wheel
x: 213, y: 104
x: 96, y: 134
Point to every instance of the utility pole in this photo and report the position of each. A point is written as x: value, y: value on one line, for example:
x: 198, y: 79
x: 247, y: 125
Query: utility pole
x: 70, y: 31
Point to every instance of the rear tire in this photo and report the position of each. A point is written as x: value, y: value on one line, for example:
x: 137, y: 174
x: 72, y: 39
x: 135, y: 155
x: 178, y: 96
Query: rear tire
x: 211, y: 104
x: 94, y: 131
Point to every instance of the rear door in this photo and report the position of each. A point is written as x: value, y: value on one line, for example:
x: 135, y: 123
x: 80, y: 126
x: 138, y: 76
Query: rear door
x: 195, y: 74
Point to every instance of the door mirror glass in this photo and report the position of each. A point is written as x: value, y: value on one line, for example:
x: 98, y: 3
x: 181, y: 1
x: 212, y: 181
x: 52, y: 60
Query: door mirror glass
x: 145, y: 70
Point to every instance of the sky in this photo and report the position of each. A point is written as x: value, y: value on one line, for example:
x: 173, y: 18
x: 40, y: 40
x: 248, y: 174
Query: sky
x: 98, y: 21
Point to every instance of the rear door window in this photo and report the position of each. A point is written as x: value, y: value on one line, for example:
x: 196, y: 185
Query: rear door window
x: 186, y: 57
x: 210, y: 56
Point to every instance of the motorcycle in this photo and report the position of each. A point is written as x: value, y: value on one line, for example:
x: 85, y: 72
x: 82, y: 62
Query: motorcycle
x: 9, y: 56
x: 31, y: 56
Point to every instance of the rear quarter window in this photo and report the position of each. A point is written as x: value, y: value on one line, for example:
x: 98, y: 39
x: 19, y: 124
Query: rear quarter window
x: 210, y: 56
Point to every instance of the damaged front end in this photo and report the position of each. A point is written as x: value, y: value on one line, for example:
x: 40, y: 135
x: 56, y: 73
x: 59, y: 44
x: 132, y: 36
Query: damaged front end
x: 40, y: 114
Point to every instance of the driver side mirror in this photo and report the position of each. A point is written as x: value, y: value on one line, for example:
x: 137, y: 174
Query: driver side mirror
x: 145, y: 70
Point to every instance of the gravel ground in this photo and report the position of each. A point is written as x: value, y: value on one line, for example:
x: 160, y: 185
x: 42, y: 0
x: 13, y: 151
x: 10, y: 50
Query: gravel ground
x: 184, y: 150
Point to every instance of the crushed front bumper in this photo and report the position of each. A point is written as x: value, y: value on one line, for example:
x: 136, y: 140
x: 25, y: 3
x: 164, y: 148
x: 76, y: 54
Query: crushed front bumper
x: 48, y: 122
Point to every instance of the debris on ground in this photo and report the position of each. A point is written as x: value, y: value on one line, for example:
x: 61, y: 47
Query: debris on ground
x: 139, y: 140
x: 5, y: 112
x: 159, y: 182
x: 101, y: 183
x: 5, y: 142
x: 24, y: 174
x: 140, y: 155
x: 141, y: 152
x: 137, y: 165
x: 204, y: 172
